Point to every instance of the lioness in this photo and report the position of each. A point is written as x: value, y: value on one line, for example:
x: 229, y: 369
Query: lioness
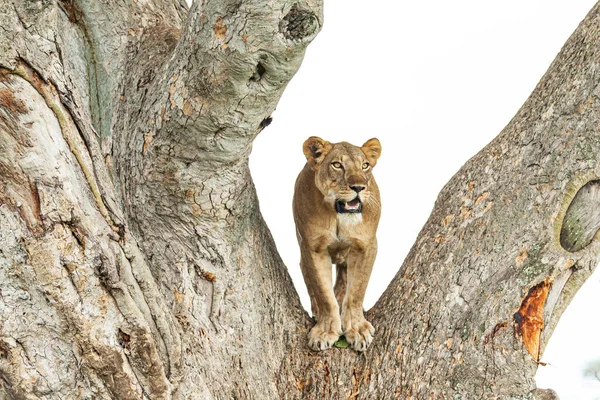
x: 336, y: 210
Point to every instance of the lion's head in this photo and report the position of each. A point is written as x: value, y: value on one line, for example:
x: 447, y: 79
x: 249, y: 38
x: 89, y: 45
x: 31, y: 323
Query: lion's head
x: 343, y: 171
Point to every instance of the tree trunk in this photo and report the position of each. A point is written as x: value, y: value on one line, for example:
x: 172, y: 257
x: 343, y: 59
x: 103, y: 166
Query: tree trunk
x: 134, y: 262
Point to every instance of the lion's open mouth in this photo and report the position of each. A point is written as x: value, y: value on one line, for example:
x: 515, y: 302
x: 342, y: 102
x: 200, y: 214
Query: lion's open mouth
x: 353, y: 206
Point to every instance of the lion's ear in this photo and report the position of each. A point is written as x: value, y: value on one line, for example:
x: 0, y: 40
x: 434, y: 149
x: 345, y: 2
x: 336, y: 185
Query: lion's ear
x: 372, y: 149
x: 315, y: 149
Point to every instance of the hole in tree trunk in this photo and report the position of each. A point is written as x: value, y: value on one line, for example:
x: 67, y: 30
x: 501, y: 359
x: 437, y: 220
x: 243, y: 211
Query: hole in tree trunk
x: 258, y: 73
x: 582, y: 220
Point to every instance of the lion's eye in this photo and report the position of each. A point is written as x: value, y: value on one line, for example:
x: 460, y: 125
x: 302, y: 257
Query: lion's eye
x: 365, y: 165
x: 336, y: 165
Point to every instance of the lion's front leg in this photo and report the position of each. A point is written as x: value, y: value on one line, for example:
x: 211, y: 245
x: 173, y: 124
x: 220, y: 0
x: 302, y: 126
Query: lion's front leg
x: 316, y: 270
x: 357, y: 330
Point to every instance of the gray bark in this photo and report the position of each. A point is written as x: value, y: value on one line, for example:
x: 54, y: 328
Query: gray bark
x: 134, y: 262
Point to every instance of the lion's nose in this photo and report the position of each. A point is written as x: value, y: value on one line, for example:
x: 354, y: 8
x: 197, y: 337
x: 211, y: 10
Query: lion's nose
x: 357, y: 188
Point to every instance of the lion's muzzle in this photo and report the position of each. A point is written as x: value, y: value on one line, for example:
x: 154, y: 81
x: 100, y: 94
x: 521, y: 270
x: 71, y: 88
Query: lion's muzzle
x: 353, y: 206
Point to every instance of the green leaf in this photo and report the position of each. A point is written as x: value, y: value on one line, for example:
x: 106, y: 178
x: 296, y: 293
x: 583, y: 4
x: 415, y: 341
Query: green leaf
x: 341, y: 343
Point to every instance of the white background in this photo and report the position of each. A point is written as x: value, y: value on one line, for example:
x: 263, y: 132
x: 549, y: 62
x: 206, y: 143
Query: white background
x: 435, y: 81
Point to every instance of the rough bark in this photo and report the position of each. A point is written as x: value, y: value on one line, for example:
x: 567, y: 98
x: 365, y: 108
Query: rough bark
x: 134, y: 262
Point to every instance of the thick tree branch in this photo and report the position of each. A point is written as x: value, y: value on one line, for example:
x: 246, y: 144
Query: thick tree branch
x: 233, y: 56
x: 220, y: 81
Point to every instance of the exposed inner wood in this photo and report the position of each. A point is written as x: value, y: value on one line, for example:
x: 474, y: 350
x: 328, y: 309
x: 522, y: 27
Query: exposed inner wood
x: 529, y: 320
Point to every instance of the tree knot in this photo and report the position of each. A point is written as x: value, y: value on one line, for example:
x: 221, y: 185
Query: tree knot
x: 298, y: 24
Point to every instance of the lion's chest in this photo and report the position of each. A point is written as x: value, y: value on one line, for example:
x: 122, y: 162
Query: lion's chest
x: 338, y: 251
x: 345, y: 237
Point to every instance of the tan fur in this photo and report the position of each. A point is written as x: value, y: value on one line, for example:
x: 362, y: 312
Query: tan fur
x: 345, y: 239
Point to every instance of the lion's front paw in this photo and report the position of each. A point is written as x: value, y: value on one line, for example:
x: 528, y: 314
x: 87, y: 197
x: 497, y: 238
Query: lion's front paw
x: 360, y: 336
x: 323, y: 335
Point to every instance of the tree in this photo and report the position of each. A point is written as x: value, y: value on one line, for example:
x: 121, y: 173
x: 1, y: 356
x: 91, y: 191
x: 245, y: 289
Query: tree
x: 134, y: 262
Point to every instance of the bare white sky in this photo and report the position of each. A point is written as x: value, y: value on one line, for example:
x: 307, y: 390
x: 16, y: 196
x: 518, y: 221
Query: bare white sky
x: 435, y: 81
